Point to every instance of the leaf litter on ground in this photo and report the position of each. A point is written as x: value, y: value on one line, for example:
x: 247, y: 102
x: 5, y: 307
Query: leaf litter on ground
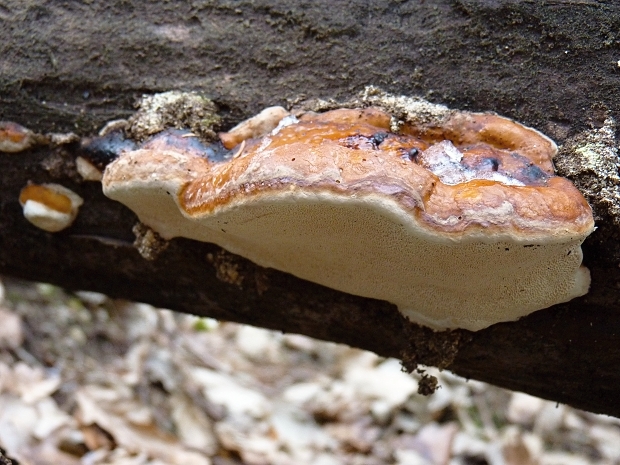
x: 85, y: 379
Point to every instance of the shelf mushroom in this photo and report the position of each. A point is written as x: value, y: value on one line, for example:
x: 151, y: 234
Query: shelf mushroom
x: 50, y: 207
x: 458, y: 221
x: 15, y: 138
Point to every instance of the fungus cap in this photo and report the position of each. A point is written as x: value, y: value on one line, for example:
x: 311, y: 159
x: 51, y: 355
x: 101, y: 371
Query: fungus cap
x: 459, y: 222
x: 50, y: 207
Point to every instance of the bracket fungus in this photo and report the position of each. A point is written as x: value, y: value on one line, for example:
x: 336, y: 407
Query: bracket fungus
x: 16, y: 138
x: 50, y: 207
x: 457, y: 219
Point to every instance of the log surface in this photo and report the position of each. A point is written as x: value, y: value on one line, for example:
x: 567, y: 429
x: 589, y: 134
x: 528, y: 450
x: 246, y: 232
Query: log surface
x: 71, y: 66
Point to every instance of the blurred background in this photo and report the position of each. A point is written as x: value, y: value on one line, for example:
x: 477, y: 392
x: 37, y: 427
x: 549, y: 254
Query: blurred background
x: 85, y: 379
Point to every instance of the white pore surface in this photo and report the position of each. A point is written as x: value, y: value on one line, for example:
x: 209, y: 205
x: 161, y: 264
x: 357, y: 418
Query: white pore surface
x: 369, y: 246
x: 46, y: 218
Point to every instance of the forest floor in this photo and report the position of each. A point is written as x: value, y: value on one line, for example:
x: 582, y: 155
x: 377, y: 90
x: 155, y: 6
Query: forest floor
x: 85, y: 379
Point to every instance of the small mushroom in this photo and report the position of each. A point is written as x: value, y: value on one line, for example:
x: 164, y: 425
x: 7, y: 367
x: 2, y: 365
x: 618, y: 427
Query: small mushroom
x: 50, y: 207
x: 88, y: 170
x: 15, y: 138
x: 459, y: 221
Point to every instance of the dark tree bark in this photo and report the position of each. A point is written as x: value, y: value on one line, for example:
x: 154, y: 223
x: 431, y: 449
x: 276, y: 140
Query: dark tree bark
x: 71, y: 66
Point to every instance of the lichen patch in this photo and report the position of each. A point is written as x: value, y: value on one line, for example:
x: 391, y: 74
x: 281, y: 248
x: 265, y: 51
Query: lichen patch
x: 590, y: 160
x: 174, y: 110
x: 413, y: 110
x: 148, y: 243
x: 227, y: 268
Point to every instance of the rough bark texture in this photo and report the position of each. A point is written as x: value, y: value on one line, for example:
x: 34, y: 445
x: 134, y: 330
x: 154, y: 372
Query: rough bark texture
x: 71, y: 66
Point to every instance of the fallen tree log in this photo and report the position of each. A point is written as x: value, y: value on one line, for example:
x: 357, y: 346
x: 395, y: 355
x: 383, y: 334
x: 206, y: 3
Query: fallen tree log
x: 71, y: 67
